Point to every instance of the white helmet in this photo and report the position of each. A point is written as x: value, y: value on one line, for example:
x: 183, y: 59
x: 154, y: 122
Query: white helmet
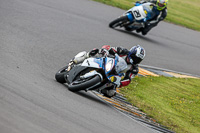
x: 136, y: 54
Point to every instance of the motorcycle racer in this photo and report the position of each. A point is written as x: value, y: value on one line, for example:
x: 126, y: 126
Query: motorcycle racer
x: 132, y: 57
x: 160, y: 9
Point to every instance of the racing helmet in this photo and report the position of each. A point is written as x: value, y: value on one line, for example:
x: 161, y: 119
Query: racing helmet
x: 161, y: 4
x: 136, y: 54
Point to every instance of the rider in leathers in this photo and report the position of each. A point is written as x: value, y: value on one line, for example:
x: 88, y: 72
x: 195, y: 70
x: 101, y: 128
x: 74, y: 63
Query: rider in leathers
x: 132, y: 67
x: 132, y: 57
x: 160, y: 9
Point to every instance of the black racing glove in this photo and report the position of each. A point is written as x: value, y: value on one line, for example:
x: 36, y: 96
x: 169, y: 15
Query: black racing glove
x: 104, y: 52
x: 93, y: 52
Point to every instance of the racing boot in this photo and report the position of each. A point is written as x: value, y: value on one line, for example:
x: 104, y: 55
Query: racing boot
x: 139, y: 30
x: 145, y: 31
x: 109, y: 92
x: 148, y: 27
x: 128, y: 28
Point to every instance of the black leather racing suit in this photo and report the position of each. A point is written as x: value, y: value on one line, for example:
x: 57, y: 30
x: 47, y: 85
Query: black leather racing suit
x: 160, y: 15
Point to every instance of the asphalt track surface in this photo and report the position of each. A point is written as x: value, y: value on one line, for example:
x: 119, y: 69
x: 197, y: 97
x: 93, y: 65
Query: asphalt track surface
x: 38, y: 37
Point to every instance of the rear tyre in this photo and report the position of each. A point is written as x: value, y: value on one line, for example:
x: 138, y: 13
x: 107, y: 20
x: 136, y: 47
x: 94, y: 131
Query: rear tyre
x: 78, y: 85
x: 118, y: 22
x: 60, y: 75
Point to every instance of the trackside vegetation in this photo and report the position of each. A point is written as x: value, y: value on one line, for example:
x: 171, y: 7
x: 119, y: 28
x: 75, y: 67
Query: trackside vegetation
x: 181, y: 12
x: 172, y: 102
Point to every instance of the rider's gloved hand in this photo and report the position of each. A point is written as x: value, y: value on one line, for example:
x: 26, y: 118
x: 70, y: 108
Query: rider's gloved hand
x: 104, y: 52
x: 115, y: 80
x: 93, y: 52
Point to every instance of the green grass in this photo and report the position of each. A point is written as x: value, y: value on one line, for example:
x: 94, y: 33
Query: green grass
x: 173, y: 102
x: 180, y: 12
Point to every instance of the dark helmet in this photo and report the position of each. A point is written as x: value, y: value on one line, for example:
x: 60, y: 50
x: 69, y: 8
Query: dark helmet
x: 136, y: 54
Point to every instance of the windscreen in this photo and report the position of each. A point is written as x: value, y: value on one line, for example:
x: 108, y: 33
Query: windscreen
x: 121, y: 65
x: 148, y: 10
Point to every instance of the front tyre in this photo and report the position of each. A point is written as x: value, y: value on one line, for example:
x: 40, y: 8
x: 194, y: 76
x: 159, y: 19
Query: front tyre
x: 83, y: 84
x: 118, y: 22
x: 60, y: 75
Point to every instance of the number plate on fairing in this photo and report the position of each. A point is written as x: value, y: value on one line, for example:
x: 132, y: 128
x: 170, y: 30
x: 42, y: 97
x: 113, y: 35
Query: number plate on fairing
x: 138, y: 12
x: 93, y: 62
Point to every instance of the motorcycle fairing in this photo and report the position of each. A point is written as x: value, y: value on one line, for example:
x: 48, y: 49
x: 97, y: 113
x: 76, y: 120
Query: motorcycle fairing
x: 106, y: 64
x: 149, y: 10
x: 99, y: 63
x: 130, y: 17
x: 74, y: 72
x: 138, y: 12
x: 93, y: 62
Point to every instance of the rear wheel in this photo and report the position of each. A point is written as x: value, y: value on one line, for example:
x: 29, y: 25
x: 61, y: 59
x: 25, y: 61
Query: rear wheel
x: 82, y: 84
x: 118, y: 22
x: 60, y: 75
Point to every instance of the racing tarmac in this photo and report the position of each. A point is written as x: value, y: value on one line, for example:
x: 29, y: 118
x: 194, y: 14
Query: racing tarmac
x: 38, y: 37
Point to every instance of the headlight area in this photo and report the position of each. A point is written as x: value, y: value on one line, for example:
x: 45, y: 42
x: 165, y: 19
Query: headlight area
x: 109, y: 66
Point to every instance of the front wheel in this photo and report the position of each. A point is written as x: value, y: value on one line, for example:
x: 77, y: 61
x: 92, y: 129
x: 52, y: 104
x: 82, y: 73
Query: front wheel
x: 83, y: 84
x: 60, y: 75
x: 118, y: 22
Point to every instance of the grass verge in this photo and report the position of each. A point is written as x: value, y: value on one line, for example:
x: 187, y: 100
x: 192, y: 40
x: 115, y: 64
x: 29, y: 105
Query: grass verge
x: 173, y: 102
x: 180, y: 12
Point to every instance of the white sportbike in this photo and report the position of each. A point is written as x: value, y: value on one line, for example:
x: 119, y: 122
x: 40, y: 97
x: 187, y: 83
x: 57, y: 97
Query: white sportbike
x: 135, y: 17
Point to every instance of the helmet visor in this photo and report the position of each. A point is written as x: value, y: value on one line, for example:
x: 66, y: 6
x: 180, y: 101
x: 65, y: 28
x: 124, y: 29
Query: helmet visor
x: 134, y: 59
x: 161, y: 5
x: 137, y: 60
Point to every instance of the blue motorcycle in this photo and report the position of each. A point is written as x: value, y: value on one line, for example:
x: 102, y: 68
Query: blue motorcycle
x: 135, y: 17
